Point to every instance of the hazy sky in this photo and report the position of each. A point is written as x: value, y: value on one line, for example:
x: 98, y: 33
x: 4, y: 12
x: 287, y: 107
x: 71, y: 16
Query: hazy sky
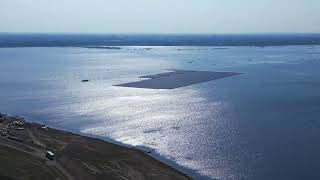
x: 160, y: 16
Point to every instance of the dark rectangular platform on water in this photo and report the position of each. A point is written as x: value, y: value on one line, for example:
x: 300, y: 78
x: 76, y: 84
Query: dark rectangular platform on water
x: 176, y: 79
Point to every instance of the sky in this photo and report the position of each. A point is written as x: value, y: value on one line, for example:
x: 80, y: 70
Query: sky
x: 160, y: 16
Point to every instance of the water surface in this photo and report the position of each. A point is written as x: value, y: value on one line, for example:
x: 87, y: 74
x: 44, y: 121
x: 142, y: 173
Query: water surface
x: 262, y: 124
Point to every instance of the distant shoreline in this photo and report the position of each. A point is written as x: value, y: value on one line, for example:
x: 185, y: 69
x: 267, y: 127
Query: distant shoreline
x: 114, y: 40
x: 150, y: 47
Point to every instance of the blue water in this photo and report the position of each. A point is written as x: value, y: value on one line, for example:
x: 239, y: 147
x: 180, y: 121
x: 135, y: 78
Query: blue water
x: 263, y: 124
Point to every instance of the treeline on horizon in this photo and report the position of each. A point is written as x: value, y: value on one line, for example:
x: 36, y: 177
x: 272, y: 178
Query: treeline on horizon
x: 78, y: 40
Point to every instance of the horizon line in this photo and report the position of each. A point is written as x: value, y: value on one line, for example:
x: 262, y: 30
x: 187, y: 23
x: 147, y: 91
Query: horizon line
x: 165, y: 33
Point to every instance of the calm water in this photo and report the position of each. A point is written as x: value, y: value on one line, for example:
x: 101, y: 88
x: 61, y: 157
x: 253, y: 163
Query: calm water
x: 263, y: 124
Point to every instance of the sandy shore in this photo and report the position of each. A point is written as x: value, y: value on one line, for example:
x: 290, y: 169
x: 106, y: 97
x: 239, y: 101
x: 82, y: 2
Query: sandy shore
x: 24, y: 146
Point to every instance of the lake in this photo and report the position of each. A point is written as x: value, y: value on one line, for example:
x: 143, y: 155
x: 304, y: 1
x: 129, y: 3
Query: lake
x: 261, y: 124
